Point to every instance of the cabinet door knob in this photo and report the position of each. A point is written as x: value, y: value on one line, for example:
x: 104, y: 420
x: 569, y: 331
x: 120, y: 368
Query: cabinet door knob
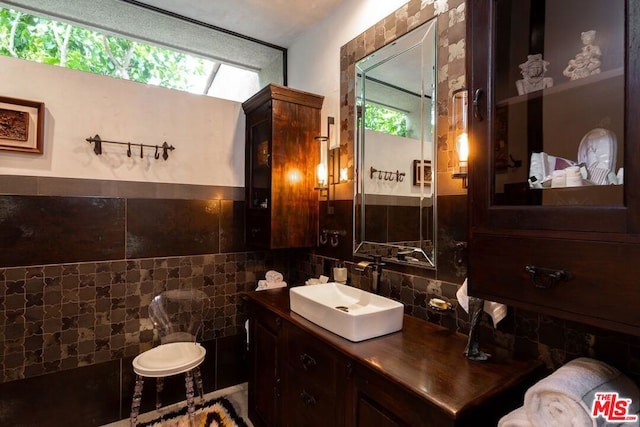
x: 307, y: 398
x: 544, y: 278
x: 307, y: 361
x: 476, y: 105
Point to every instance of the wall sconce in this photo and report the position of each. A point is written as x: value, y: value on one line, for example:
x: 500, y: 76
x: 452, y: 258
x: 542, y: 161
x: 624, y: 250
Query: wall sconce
x: 322, y: 174
x: 329, y: 167
x: 459, y: 125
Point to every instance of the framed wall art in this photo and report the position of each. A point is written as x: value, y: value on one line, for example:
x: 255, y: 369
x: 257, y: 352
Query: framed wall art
x: 21, y: 125
x: 422, y: 172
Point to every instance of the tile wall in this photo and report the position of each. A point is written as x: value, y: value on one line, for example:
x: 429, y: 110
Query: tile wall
x: 79, y: 263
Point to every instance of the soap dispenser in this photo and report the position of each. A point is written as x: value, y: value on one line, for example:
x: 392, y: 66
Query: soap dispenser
x: 340, y: 273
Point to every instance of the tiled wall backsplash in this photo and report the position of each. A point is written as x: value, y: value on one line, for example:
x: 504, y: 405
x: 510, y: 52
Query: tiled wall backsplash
x: 58, y: 317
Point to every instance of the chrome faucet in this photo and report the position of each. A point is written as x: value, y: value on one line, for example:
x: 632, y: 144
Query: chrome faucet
x: 376, y: 270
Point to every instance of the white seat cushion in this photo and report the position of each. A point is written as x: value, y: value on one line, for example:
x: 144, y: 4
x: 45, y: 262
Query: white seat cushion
x: 169, y: 359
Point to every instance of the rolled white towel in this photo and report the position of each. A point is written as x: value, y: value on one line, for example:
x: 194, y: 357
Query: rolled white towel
x: 516, y: 418
x: 273, y: 276
x: 565, y: 398
x: 496, y: 310
x: 263, y: 284
x: 314, y: 281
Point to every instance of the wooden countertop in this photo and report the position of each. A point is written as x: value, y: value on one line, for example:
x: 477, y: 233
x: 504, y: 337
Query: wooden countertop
x: 424, y: 358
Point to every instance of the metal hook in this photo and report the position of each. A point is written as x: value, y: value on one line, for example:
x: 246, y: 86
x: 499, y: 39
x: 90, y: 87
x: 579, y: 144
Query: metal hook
x: 129, y: 149
x: 97, y: 148
x: 323, y: 238
x: 165, y: 152
x: 334, y: 240
x: 157, y: 155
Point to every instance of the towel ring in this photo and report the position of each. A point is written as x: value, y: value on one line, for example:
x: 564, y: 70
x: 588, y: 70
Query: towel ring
x: 323, y: 238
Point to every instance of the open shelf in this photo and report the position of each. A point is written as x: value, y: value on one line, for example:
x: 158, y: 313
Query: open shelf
x: 562, y: 87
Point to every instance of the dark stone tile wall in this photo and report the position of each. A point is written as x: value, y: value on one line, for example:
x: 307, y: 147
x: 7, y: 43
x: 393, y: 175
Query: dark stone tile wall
x: 156, y: 227
x: 76, y: 278
x: 101, y: 393
x: 59, y: 317
x: 51, y: 230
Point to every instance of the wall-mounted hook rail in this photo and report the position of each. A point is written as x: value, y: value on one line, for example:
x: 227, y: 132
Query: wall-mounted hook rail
x: 97, y: 147
x: 386, y: 175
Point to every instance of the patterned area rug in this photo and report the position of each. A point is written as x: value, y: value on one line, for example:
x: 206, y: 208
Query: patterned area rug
x: 214, y: 413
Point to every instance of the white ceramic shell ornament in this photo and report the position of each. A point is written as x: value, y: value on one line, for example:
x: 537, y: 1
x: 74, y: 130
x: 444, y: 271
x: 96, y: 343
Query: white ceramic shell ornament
x: 587, y: 61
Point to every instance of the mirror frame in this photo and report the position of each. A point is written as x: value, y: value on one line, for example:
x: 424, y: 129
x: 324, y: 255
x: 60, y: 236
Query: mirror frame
x: 451, y: 32
x: 413, y: 43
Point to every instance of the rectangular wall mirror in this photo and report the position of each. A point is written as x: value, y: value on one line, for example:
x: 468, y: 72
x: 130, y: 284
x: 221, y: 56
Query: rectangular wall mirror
x: 395, y: 203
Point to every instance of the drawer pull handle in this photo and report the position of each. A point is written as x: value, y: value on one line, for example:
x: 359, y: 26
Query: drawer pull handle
x: 544, y: 278
x: 307, y: 361
x: 307, y: 399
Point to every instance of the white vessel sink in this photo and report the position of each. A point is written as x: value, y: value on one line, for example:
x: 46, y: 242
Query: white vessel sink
x: 352, y: 313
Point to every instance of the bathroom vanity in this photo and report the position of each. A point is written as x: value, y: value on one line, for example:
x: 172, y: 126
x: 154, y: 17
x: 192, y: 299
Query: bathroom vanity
x: 304, y: 375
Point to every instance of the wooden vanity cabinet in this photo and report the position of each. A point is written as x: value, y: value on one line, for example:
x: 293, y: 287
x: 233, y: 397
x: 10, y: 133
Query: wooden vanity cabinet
x: 265, y: 368
x: 315, y: 382
x: 303, y: 375
x: 378, y: 402
x: 572, y: 252
x: 295, y: 380
x: 280, y: 163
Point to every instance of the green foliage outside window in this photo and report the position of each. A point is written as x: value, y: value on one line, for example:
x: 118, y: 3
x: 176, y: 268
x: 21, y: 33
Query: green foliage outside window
x: 43, y: 40
x: 382, y: 119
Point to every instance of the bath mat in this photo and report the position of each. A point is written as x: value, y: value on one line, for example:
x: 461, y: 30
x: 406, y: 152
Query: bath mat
x: 214, y: 413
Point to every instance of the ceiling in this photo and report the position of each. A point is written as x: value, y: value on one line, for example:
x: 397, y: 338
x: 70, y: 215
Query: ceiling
x: 278, y: 22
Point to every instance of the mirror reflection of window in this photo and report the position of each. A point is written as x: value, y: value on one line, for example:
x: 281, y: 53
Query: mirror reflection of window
x: 385, y: 119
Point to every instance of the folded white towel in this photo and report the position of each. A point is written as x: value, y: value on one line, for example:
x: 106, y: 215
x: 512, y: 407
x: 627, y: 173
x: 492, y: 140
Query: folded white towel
x: 496, y: 310
x: 314, y: 281
x: 273, y: 276
x: 263, y: 284
x: 516, y: 418
x: 565, y: 398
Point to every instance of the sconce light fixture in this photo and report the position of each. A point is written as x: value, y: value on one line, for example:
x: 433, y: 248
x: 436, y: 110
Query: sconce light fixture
x: 329, y: 167
x: 322, y: 174
x: 459, y: 125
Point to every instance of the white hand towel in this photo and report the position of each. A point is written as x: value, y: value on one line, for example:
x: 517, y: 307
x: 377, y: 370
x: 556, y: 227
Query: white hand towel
x: 516, y: 418
x: 273, y: 276
x: 263, y: 284
x: 496, y: 310
x: 565, y: 398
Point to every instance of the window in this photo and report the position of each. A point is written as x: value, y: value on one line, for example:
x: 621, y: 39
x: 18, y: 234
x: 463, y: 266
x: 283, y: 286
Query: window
x: 40, y: 39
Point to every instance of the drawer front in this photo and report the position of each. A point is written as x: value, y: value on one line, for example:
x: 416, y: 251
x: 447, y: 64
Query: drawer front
x: 521, y: 271
x: 311, y: 360
x: 308, y: 405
